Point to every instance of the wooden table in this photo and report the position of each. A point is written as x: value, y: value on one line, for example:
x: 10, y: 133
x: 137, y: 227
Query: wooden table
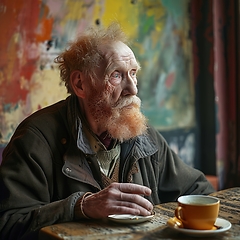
x: 156, y: 228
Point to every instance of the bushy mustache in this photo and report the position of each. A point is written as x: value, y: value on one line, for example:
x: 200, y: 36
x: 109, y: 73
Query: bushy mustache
x: 126, y: 101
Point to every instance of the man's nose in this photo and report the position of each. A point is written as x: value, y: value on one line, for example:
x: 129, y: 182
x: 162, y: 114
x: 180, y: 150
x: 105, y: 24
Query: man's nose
x: 129, y: 86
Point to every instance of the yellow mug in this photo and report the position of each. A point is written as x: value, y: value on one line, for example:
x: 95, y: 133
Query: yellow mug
x: 197, y: 211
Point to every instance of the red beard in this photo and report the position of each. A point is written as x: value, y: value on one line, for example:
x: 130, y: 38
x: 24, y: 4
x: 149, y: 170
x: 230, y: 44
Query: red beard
x: 122, y: 121
x: 129, y: 124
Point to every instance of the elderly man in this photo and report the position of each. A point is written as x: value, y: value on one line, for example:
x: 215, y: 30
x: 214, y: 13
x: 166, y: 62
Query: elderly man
x: 92, y: 154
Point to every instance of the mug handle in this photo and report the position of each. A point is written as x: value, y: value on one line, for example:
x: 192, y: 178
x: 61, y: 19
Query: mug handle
x: 178, y: 211
x: 178, y: 214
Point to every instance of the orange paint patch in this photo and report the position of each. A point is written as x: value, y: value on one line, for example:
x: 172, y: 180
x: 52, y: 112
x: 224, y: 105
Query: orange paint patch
x: 46, y: 30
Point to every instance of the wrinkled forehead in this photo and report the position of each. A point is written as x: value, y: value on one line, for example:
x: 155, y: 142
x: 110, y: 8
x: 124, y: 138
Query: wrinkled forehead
x: 117, y: 51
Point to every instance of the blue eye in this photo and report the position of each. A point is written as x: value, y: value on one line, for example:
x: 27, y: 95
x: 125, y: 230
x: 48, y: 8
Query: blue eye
x: 116, y: 75
x: 133, y: 73
x: 115, y: 78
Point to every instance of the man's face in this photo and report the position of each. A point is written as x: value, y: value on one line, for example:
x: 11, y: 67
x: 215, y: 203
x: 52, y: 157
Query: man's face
x: 113, y: 102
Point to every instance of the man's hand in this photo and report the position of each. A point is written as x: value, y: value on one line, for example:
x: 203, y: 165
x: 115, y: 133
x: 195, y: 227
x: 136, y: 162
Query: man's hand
x: 118, y: 198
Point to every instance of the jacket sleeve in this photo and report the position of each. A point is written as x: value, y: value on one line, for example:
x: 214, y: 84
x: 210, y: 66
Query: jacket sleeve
x: 26, y: 188
x: 180, y: 179
x: 175, y: 178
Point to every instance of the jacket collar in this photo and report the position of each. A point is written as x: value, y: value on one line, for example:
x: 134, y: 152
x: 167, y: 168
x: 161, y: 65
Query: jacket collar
x: 144, y: 146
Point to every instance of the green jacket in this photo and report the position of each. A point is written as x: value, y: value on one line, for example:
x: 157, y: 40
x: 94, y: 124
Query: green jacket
x: 44, y: 172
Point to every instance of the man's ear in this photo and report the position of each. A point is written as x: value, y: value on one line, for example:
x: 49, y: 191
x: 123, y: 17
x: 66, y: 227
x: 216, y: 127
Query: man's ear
x: 77, y: 80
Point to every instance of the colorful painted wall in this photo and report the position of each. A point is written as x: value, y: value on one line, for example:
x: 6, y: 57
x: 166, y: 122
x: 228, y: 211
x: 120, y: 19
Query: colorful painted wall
x: 33, y: 32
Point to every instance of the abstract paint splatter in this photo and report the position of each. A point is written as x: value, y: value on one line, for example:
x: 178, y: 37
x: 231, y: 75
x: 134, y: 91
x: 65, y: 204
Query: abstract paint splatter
x: 34, y: 32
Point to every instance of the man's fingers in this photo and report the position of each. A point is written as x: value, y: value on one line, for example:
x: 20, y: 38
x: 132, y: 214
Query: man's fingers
x: 133, y: 188
x: 136, y: 199
x: 135, y: 208
x: 122, y: 194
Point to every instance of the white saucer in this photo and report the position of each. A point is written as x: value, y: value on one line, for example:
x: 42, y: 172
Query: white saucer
x: 127, y: 218
x: 223, y: 225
